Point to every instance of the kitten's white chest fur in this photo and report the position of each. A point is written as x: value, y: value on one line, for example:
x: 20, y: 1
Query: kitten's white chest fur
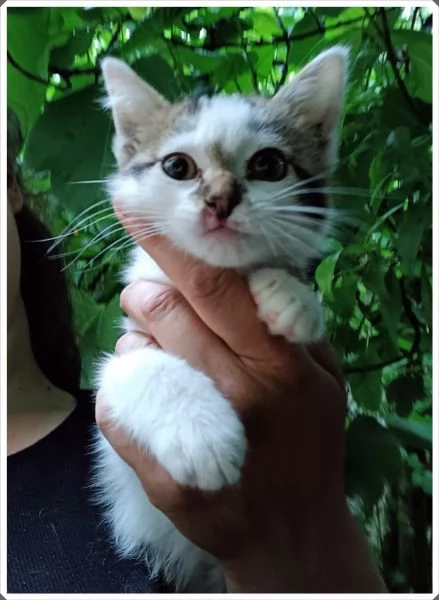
x: 192, y: 170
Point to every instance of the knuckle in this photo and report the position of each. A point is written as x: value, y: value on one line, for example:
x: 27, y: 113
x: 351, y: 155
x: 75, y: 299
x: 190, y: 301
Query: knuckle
x: 160, y: 304
x: 208, y: 285
x: 125, y: 299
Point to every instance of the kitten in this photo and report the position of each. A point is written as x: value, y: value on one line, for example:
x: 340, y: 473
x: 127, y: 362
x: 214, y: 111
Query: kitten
x: 237, y: 182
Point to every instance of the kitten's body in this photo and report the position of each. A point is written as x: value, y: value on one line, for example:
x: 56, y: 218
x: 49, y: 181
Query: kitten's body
x: 224, y: 212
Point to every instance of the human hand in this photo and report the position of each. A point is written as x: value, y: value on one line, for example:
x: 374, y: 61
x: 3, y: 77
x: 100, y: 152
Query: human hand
x: 291, y: 400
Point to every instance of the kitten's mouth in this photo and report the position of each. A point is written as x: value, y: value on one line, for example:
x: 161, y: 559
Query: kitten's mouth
x: 212, y: 225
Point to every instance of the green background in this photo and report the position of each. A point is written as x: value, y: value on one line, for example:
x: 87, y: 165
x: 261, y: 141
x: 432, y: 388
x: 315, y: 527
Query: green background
x: 375, y: 281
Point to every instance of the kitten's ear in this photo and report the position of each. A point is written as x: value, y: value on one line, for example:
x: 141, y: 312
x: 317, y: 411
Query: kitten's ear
x: 134, y: 104
x: 314, y: 97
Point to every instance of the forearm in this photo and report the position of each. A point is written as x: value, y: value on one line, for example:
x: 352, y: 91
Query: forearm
x: 328, y: 554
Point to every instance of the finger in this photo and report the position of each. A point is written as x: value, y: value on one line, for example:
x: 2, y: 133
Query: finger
x: 133, y: 340
x: 120, y: 440
x: 324, y: 354
x: 162, y: 310
x: 220, y: 297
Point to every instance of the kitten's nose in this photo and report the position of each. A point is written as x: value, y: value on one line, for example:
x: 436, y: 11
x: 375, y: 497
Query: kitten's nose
x: 221, y: 194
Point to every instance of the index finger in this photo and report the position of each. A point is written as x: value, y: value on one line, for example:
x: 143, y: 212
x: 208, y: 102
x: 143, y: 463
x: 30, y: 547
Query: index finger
x: 220, y: 297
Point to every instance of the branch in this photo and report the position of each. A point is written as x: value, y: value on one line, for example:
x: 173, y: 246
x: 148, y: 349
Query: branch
x: 317, y: 21
x: 284, y: 73
x: 247, y: 58
x: 66, y: 73
x: 386, y: 37
x: 114, y: 37
x: 366, y: 309
x: 411, y: 354
x: 350, y: 370
x: 415, y: 15
x: 411, y: 318
x: 277, y: 39
x: 26, y: 73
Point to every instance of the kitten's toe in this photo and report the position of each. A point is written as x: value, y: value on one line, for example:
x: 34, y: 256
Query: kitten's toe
x: 209, y: 453
x: 287, y: 306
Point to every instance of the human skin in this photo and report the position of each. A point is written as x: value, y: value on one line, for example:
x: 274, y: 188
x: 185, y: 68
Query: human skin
x: 35, y: 406
x: 285, y: 527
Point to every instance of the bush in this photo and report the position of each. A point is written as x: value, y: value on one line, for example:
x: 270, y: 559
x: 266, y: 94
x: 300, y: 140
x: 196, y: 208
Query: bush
x: 376, y: 279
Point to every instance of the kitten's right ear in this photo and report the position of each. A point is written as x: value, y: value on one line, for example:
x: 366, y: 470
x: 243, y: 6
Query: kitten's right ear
x: 133, y: 102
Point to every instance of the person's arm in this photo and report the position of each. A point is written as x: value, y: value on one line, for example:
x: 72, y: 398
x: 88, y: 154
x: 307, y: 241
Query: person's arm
x: 285, y: 526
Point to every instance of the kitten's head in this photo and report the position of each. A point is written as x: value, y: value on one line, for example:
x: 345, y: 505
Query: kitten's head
x: 233, y: 180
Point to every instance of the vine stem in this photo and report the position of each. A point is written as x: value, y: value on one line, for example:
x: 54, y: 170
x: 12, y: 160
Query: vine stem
x: 387, y: 39
x: 353, y: 370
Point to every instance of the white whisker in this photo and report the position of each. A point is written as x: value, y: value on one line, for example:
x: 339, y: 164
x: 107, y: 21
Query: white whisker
x: 72, y: 224
x: 86, y: 182
x: 146, y: 232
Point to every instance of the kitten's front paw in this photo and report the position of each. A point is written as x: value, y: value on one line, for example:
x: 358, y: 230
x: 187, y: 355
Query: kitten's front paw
x: 177, y: 414
x: 287, y: 306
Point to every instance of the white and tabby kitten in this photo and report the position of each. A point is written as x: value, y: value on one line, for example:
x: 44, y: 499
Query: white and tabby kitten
x: 237, y: 182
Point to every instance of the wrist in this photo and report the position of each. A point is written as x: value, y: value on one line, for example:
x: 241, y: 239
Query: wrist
x: 314, y: 552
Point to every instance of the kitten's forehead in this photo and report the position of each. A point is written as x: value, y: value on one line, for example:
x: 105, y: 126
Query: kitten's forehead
x: 225, y: 125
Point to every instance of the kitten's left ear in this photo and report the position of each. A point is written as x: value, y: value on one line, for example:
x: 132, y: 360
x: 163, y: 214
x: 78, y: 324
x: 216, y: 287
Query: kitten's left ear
x: 314, y: 97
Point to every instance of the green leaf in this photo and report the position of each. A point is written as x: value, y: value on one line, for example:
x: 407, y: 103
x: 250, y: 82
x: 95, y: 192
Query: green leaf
x: 350, y: 34
x: 325, y: 274
x: 328, y: 12
x: 157, y: 72
x: 137, y: 13
x: 411, y: 233
x: 419, y: 47
x: 213, y: 14
x: 427, y: 483
x: 376, y: 278
x: 395, y: 113
x: 231, y: 67
x: 303, y: 50
x: 265, y: 23
x: 28, y: 45
x: 99, y: 15
x: 404, y: 391
x: 86, y: 310
x: 413, y: 434
x: 201, y: 61
x: 72, y: 140
x: 367, y: 389
x: 78, y: 44
x: 427, y: 302
x: 343, y: 294
x: 373, y: 459
x: 99, y: 337
x: 264, y: 63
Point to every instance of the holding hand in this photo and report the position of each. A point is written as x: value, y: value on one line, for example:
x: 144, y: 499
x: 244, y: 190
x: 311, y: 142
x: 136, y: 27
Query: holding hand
x: 285, y: 526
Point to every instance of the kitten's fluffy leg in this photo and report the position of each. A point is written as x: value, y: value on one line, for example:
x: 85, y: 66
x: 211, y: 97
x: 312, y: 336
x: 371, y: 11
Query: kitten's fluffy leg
x: 287, y: 306
x: 177, y: 414
x: 141, y: 530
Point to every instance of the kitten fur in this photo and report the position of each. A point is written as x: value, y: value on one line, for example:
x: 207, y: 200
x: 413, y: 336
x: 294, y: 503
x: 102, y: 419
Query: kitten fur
x: 274, y: 228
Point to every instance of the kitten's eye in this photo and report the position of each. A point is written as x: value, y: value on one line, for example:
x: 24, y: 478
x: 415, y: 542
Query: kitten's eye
x: 268, y: 165
x: 179, y: 166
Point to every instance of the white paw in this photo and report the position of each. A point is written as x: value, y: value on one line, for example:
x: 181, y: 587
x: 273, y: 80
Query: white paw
x: 177, y: 414
x: 287, y: 306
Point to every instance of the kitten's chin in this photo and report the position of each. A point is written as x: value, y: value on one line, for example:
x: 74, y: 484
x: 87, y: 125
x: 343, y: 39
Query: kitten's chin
x: 222, y: 249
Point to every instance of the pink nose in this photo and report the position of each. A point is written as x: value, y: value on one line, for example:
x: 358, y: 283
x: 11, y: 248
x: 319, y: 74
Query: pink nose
x: 222, y: 194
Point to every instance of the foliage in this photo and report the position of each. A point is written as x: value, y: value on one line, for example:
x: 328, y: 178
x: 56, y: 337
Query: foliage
x: 375, y: 281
